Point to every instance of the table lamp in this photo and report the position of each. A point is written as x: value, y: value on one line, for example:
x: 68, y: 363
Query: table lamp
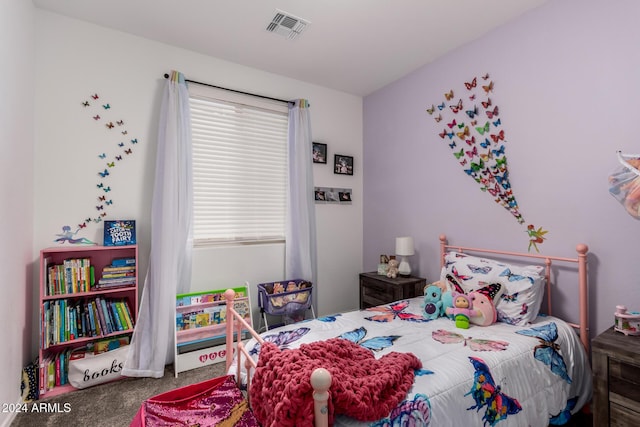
x: 404, y: 248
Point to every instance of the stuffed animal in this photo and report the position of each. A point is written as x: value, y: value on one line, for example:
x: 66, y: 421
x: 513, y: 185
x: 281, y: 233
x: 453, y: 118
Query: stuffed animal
x: 484, y: 300
x: 392, y: 269
x: 447, y: 302
x: 431, y: 307
x: 462, y: 310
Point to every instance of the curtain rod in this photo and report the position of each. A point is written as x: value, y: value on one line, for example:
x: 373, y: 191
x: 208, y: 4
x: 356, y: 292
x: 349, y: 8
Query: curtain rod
x: 166, y: 76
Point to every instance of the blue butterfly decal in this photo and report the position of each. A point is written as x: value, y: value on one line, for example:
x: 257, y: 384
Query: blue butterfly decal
x: 485, y: 392
x: 472, y: 113
x: 499, y: 152
x: 441, y: 106
x: 416, y: 412
x: 514, y: 277
x: 547, y: 351
x: 373, y: 344
x: 103, y: 174
x: 486, y: 143
x: 331, y: 318
x: 282, y: 339
x: 565, y: 415
x: 479, y: 270
x: 392, y: 311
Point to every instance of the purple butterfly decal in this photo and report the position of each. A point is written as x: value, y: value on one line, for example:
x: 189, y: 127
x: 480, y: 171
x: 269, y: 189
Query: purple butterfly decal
x: 485, y: 392
x: 391, y: 311
x: 416, y: 412
x: 282, y: 339
x: 475, y: 344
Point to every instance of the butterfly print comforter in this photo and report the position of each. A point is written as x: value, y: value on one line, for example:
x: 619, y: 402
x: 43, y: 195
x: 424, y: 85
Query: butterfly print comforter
x: 533, y: 375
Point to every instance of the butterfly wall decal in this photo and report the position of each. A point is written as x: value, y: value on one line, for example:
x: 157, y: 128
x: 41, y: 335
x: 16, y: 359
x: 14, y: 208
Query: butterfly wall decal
x: 457, y: 107
x: 548, y: 351
x: 492, y: 160
x: 124, y: 132
x: 128, y: 151
x: 109, y: 125
x: 85, y: 104
x: 471, y: 84
x: 438, y: 118
x: 486, y: 393
x: 95, y: 96
x: 392, y: 311
x: 432, y: 109
x: 106, y: 106
x: 119, y: 122
x: 104, y: 174
x: 96, y: 117
x: 102, y: 156
x: 374, y: 344
x: 475, y: 344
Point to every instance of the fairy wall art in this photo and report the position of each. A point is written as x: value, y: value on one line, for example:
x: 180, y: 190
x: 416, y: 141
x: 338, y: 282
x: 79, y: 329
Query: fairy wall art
x: 473, y: 130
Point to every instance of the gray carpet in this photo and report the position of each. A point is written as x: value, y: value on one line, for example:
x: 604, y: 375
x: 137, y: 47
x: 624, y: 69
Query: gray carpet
x: 113, y: 404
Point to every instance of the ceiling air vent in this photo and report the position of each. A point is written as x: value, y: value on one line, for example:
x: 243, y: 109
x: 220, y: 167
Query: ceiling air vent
x: 287, y: 25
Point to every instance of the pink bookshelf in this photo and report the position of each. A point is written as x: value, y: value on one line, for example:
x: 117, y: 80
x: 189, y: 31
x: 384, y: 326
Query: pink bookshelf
x: 78, y: 291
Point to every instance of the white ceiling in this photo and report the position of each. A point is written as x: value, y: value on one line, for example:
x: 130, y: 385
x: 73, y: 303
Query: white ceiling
x: 355, y: 46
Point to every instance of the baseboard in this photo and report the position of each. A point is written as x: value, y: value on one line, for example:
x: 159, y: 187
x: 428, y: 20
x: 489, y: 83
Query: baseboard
x: 12, y: 411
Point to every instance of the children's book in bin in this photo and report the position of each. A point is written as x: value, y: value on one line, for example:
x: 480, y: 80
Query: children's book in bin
x: 119, y: 233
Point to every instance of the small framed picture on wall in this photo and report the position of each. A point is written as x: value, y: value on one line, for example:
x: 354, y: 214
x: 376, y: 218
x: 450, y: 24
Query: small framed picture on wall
x: 319, y: 152
x: 343, y: 165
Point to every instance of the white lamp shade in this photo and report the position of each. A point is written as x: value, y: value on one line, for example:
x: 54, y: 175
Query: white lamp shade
x: 404, y: 246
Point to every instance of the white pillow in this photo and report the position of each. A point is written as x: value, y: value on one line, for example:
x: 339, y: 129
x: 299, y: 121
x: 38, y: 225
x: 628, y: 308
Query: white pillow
x: 522, y: 286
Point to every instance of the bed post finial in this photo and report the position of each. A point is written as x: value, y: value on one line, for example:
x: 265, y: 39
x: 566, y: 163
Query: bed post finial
x: 584, y: 292
x: 321, y: 381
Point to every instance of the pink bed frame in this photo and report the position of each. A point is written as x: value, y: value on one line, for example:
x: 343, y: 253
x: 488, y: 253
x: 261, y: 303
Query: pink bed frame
x: 321, y: 378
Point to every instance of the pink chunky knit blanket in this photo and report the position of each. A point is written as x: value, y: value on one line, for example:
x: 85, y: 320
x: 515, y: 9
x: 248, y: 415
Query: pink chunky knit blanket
x: 363, y: 387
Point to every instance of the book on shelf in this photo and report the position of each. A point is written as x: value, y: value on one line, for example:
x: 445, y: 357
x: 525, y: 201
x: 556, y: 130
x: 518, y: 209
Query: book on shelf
x: 72, y: 276
x: 123, y: 262
x: 119, y: 233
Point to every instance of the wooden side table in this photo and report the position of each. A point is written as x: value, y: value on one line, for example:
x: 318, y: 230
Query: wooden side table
x: 616, y: 379
x: 376, y: 289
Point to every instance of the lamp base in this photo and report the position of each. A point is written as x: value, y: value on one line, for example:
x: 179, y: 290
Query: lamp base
x: 404, y: 269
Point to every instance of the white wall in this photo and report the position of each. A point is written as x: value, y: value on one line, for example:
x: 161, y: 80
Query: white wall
x: 16, y: 201
x: 76, y: 59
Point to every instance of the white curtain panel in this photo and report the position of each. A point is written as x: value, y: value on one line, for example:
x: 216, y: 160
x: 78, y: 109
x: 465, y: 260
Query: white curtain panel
x: 301, y: 218
x: 169, y: 273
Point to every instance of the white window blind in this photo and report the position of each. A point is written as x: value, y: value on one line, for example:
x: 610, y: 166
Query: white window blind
x: 239, y: 166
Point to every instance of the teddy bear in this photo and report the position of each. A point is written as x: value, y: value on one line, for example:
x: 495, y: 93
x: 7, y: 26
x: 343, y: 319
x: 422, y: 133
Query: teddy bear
x: 431, y: 307
x: 462, y: 310
x: 392, y: 269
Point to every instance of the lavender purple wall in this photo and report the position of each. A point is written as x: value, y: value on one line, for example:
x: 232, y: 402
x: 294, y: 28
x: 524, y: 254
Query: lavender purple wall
x: 567, y: 80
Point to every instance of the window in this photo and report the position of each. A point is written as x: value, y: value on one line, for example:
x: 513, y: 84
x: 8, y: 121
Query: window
x: 239, y: 167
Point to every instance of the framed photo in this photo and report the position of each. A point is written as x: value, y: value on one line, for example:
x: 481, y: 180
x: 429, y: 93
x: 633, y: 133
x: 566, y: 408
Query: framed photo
x: 319, y: 152
x: 343, y: 165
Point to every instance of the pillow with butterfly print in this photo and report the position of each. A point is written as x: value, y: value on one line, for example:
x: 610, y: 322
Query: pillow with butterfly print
x: 522, y: 286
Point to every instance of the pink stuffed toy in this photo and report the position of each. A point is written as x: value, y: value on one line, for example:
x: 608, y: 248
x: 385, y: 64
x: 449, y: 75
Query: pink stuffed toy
x: 484, y: 304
